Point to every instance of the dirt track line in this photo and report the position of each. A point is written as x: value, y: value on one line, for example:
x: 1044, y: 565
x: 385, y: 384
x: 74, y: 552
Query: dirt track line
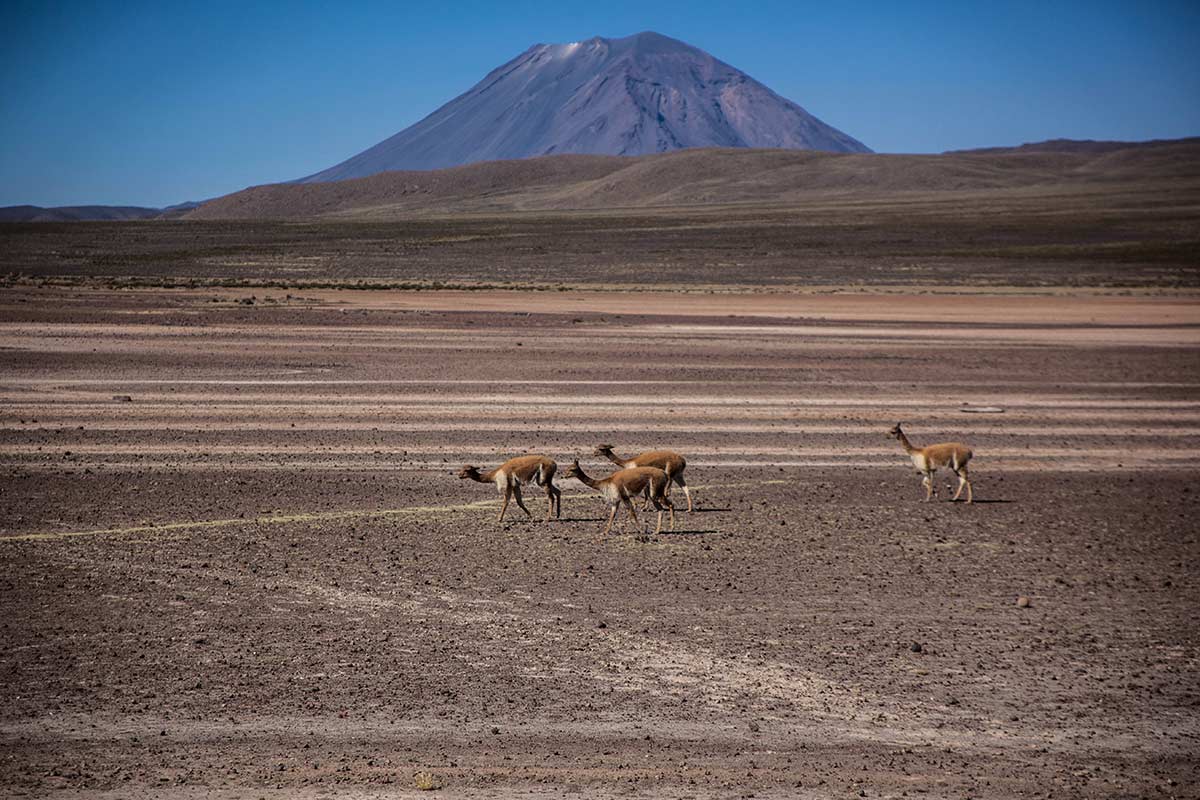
x: 705, y: 455
x: 317, y: 516
x: 993, y: 425
x: 541, y: 382
x: 441, y: 402
x: 568, y: 406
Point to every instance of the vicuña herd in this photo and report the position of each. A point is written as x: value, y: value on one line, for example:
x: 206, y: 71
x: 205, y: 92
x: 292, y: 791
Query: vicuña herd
x: 649, y: 475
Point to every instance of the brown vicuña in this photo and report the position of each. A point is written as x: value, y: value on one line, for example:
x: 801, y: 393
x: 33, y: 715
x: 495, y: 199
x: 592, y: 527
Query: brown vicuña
x: 669, y: 462
x: 625, y: 484
x: 509, y: 476
x: 928, y: 459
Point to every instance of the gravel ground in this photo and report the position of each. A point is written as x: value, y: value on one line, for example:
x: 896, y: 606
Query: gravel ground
x: 258, y: 575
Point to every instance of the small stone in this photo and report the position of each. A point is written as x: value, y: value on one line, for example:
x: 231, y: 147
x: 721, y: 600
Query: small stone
x: 602, y: 625
x: 495, y: 731
x: 753, y: 726
x: 915, y: 647
x: 1023, y: 602
x: 122, y: 398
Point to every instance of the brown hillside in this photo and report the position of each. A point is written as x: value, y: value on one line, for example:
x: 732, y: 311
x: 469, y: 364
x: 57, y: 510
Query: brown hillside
x: 706, y: 177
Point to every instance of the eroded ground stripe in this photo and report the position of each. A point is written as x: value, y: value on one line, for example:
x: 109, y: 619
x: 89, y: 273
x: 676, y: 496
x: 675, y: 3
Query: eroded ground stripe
x: 17, y: 453
x: 424, y: 401
x: 318, y: 516
x: 119, y: 382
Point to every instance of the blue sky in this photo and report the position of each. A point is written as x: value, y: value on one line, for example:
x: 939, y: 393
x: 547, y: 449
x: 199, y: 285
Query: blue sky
x: 151, y: 103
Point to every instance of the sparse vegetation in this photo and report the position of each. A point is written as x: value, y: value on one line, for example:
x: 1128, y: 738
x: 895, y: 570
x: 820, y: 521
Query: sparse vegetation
x: 1114, y: 239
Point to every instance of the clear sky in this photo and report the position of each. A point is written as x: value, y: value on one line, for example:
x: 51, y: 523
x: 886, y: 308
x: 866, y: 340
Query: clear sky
x: 152, y: 103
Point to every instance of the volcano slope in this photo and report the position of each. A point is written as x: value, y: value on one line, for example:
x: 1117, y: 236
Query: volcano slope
x: 236, y: 560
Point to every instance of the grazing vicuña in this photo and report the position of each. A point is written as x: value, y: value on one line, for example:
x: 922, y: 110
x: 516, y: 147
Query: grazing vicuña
x: 668, y: 461
x: 627, y: 483
x: 509, y: 476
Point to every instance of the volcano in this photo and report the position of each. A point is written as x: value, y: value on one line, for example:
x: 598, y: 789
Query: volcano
x: 637, y: 95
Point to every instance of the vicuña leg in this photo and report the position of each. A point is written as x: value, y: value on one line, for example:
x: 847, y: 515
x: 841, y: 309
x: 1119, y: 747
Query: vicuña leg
x: 629, y: 505
x: 930, y: 489
x: 964, y: 481
x: 516, y: 487
x: 660, y: 503
x: 678, y: 478
x: 507, y: 492
x: 612, y: 514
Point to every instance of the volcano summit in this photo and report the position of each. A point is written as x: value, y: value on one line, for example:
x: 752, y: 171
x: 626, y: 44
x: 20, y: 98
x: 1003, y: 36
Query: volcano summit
x: 642, y: 94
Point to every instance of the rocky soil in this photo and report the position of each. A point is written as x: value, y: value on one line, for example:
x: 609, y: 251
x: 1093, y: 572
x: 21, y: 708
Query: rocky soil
x: 236, y: 560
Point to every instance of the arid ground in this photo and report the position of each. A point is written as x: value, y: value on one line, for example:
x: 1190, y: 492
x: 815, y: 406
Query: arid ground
x: 236, y: 560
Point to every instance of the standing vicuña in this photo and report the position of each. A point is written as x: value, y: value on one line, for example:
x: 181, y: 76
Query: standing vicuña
x: 927, y: 460
x: 669, y: 462
x: 624, y: 484
x: 509, y: 476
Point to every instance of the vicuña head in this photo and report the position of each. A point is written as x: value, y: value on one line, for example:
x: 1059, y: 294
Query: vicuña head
x: 895, y: 432
x: 603, y: 450
x: 469, y: 472
x: 574, y: 471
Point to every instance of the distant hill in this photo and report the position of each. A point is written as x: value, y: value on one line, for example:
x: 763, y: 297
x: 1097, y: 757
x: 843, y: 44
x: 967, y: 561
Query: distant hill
x: 75, y: 213
x: 92, y: 213
x: 704, y: 177
x: 1079, y: 146
x: 636, y: 95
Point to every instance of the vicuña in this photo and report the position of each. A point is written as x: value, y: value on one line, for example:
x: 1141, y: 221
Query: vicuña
x: 625, y: 484
x: 928, y: 459
x: 669, y: 462
x: 510, y: 475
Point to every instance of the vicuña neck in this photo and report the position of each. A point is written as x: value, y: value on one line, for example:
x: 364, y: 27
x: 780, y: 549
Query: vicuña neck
x: 613, y: 457
x: 587, y: 481
x: 484, y: 477
x: 908, y: 448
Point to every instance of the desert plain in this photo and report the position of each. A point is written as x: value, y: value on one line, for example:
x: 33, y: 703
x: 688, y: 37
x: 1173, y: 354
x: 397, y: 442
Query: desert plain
x: 237, y: 561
